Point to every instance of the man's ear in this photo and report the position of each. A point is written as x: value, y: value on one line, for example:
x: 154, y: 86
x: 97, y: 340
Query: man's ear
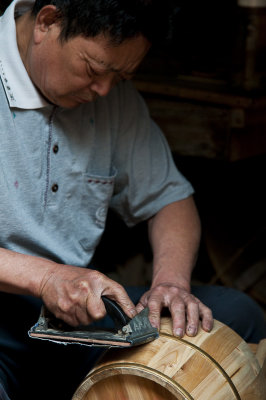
x: 46, y: 19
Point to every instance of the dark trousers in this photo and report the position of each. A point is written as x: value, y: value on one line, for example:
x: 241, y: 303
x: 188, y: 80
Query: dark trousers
x: 32, y: 368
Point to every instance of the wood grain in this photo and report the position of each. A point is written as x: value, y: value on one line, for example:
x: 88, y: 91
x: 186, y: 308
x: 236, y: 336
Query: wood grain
x: 218, y: 365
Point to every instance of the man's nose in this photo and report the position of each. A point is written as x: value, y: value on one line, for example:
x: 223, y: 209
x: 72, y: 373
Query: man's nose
x: 103, y: 84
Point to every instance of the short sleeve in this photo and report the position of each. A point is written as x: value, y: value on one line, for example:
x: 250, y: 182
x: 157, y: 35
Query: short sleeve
x: 147, y: 178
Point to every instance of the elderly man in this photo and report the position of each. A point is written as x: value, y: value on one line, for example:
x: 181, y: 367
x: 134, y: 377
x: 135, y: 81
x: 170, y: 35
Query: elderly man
x: 76, y: 139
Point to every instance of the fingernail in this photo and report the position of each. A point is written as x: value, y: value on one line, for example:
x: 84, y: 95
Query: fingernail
x: 179, y: 332
x: 191, y: 331
x: 208, y: 328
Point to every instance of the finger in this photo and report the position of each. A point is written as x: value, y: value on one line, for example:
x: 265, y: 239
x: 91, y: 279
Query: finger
x: 81, y: 317
x: 70, y: 320
x: 68, y: 314
x: 178, y: 312
x: 104, y: 286
x: 155, y: 305
x: 95, y: 309
x: 120, y: 296
x: 206, y: 317
x: 143, y: 302
x: 139, y: 307
x: 82, y: 310
x: 192, y: 318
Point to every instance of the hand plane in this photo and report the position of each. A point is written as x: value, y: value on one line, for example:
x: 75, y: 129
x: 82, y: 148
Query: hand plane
x: 127, y: 332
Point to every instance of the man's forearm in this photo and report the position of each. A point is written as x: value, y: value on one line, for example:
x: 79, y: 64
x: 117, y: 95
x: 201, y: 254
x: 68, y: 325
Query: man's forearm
x: 175, y: 236
x: 23, y: 274
x: 71, y: 293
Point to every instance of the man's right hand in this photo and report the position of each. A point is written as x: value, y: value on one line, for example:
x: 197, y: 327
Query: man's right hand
x: 73, y: 294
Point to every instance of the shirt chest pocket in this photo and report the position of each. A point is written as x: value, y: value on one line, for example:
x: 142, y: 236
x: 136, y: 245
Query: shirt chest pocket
x: 95, y: 199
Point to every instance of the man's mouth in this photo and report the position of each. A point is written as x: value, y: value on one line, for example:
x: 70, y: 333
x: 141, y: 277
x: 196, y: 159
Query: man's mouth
x: 86, y: 99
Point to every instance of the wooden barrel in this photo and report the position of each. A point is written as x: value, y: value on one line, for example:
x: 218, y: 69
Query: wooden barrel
x: 211, y: 366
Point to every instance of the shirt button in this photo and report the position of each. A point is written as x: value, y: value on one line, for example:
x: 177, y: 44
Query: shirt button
x: 55, y: 148
x: 55, y: 187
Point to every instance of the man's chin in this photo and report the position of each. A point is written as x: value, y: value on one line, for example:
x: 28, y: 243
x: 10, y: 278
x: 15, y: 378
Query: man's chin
x: 72, y: 101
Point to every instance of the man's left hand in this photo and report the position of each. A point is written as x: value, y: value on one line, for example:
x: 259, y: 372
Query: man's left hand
x: 186, y: 310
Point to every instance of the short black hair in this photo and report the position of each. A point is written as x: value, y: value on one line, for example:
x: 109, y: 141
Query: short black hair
x: 118, y: 19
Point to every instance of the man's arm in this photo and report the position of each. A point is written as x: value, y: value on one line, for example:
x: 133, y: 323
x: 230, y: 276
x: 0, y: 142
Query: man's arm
x: 175, y: 235
x: 71, y: 293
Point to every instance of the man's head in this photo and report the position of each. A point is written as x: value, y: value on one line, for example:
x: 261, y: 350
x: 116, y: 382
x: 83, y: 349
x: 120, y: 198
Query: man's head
x: 77, y: 50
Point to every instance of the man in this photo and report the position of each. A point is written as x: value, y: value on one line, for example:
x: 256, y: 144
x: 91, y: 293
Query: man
x: 76, y: 140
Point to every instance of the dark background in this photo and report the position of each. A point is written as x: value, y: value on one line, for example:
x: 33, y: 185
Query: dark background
x: 205, y: 87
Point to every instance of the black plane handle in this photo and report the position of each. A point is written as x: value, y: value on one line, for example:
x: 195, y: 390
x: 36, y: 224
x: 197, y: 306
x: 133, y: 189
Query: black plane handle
x: 116, y: 313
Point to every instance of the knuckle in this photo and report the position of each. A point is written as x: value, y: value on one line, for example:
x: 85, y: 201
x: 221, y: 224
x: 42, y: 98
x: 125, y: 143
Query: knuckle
x: 153, y: 305
x: 174, y: 291
x: 206, y: 310
x: 95, y: 309
x: 63, y: 306
x: 98, y: 314
x: 179, y: 307
x: 161, y: 289
x: 193, y: 304
x: 192, y: 300
x: 208, y: 314
x: 118, y: 289
x: 195, y: 299
x: 167, y: 289
x: 95, y: 275
x: 153, y: 315
x: 83, y: 285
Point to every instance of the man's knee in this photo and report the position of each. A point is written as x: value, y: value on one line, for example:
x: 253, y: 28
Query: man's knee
x: 235, y: 309
x: 3, y: 393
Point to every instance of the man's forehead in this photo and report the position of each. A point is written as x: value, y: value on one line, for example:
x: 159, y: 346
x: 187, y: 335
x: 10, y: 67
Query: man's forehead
x: 109, y: 66
x: 117, y: 58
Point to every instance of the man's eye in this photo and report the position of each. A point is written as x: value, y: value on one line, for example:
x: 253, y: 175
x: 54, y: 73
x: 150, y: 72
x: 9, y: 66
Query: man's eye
x: 96, y: 73
x: 91, y: 71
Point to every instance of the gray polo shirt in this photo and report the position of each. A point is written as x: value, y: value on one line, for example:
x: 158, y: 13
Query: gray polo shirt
x: 61, y: 169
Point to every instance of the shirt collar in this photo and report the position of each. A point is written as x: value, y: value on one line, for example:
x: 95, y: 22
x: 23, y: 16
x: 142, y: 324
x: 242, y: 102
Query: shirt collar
x: 19, y: 88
